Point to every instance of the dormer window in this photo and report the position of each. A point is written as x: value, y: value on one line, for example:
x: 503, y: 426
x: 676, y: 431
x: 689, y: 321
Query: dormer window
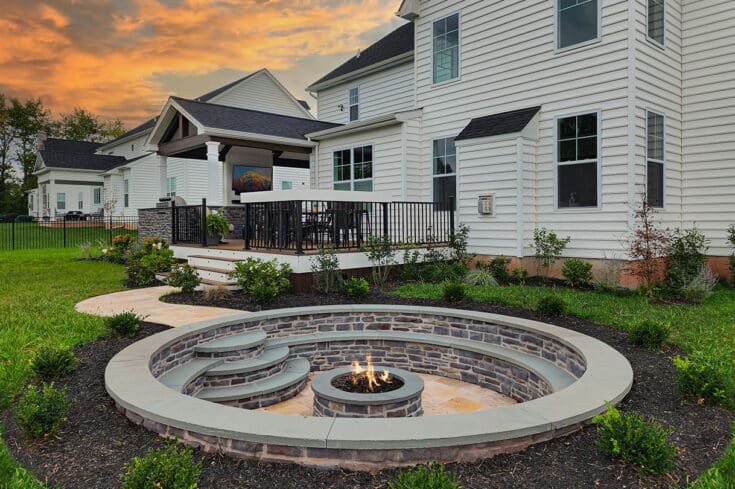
x: 354, y: 104
x: 446, y: 49
x: 577, y: 23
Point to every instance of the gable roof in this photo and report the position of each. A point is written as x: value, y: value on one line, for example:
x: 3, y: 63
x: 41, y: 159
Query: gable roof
x: 210, y: 95
x: 398, y: 42
x: 149, y: 124
x: 498, y: 124
x: 76, y: 155
x: 223, y: 117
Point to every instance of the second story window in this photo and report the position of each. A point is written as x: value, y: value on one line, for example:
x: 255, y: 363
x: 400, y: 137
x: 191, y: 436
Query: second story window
x: 656, y: 152
x: 577, y: 22
x: 577, y: 157
x: 446, y: 48
x: 354, y: 104
x: 656, y: 21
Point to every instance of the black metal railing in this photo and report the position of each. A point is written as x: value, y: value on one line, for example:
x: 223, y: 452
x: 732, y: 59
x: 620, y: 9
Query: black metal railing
x: 306, y: 225
x: 65, y: 232
x: 188, y: 224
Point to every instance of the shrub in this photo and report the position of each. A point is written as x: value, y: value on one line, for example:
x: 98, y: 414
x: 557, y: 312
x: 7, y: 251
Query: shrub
x: 263, y: 293
x: 269, y: 278
x: 355, y: 288
x: 480, y: 277
x: 39, y: 413
x: 217, y: 224
x: 124, y: 324
x: 432, y: 476
x: 453, y: 291
x: 731, y: 240
x: 549, y: 247
x: 705, y: 377
x: 458, y: 241
x: 184, y: 277
x: 218, y: 293
x: 88, y: 251
x: 154, y: 243
x: 498, y: 267
x: 325, y: 270
x: 22, y: 479
x: 163, y: 468
x: 412, y: 266
x: 121, y: 247
x: 699, y: 287
x: 381, y: 255
x: 577, y: 273
x: 519, y: 276
x: 51, y: 363
x: 687, y: 255
x: 139, y: 274
x: 630, y: 437
x: 551, y: 305
x: 158, y: 260
x: 649, y: 334
x: 647, y: 245
x: 444, y: 271
x: 125, y: 241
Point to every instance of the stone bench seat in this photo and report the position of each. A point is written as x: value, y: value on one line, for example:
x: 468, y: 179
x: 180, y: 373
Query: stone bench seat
x: 234, y: 343
x: 179, y: 377
x: 294, y: 372
x: 555, y: 376
x: 271, y: 356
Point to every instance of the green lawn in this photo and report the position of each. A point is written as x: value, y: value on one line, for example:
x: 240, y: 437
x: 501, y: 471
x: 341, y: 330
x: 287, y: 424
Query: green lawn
x: 23, y: 236
x: 38, y: 290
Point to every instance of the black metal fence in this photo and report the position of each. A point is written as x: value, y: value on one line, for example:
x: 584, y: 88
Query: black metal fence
x: 188, y: 224
x: 65, y: 232
x: 306, y: 225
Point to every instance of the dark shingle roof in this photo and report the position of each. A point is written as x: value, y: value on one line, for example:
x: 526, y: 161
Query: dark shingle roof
x: 79, y: 155
x: 210, y: 95
x: 304, y: 104
x: 398, y: 42
x: 497, y: 124
x: 252, y: 121
x: 149, y: 124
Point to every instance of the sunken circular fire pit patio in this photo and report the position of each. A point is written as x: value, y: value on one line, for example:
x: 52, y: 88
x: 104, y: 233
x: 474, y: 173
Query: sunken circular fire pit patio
x: 204, y: 384
x: 343, y: 393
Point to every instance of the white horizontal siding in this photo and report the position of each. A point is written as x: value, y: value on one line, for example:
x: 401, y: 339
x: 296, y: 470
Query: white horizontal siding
x: 381, y: 93
x: 129, y: 149
x: 708, y: 56
x: 299, y: 177
x: 260, y: 92
x: 508, y: 62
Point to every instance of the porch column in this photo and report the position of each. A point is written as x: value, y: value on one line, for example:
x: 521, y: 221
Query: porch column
x: 163, y: 175
x: 214, y: 171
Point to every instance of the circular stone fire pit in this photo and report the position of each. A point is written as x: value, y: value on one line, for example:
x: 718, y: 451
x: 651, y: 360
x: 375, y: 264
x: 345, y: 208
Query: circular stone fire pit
x: 330, y: 401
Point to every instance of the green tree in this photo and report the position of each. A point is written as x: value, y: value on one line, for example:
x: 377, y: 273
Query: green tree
x: 82, y: 125
x: 28, y: 119
x: 6, y: 166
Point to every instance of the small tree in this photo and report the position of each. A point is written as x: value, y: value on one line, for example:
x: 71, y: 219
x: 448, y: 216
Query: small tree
x: 647, y: 245
x: 549, y: 248
x: 380, y: 254
x: 731, y: 240
x: 325, y: 270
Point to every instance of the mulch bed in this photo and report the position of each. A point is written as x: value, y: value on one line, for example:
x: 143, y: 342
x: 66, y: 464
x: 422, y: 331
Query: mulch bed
x: 97, y: 442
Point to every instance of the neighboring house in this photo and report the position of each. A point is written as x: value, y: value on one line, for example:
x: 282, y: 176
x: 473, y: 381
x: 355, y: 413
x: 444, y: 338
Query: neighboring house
x: 128, y: 172
x: 542, y: 114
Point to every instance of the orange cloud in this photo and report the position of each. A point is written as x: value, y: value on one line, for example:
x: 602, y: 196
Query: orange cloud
x: 107, y: 57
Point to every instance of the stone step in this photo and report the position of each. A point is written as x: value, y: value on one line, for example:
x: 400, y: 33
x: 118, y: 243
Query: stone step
x: 295, y: 371
x: 233, y: 343
x: 179, y: 377
x: 269, y: 357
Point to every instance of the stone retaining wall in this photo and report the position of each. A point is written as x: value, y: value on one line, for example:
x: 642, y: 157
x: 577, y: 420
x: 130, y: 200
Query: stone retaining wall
x: 155, y: 223
x: 401, y: 409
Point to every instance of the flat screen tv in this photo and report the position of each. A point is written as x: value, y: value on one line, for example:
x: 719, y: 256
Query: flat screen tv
x: 247, y: 178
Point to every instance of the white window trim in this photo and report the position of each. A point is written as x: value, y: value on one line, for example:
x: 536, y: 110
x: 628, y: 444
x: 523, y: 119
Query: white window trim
x: 169, y: 187
x: 351, y: 148
x: 455, y: 174
x: 661, y: 45
x: 126, y: 193
x: 96, y: 191
x: 557, y: 49
x: 58, y: 194
x: 557, y: 163
x: 662, y: 162
x: 80, y: 200
x: 458, y: 13
x: 350, y: 104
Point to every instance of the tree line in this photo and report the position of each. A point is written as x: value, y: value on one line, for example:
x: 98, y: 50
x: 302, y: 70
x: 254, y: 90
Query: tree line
x: 21, y: 123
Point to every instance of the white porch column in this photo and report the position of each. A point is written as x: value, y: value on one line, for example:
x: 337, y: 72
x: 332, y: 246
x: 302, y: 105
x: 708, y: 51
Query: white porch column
x: 214, y: 172
x: 163, y: 175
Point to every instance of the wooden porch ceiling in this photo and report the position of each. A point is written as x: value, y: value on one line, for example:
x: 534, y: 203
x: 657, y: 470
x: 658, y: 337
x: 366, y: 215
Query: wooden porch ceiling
x: 195, y: 146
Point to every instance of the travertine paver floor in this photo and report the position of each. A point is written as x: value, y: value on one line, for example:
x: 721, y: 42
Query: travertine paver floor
x: 441, y: 396
x: 145, y: 302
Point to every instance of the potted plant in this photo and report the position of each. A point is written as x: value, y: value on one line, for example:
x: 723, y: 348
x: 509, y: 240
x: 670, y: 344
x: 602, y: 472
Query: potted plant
x: 217, y: 227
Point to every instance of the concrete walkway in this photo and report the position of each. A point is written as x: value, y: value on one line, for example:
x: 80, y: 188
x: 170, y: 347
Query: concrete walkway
x: 145, y: 302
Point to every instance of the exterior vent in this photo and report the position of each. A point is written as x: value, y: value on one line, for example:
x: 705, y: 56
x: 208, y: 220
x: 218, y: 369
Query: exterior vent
x: 486, y: 205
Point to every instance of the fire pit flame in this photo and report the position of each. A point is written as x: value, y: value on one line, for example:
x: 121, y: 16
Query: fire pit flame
x: 373, y: 380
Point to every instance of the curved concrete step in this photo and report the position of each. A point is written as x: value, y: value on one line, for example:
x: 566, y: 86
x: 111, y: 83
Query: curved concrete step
x: 269, y: 357
x: 238, y: 342
x: 557, y: 377
x: 178, y: 378
x: 295, y: 371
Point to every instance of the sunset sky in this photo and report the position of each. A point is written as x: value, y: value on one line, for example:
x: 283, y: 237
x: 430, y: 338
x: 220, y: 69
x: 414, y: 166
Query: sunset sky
x: 122, y: 58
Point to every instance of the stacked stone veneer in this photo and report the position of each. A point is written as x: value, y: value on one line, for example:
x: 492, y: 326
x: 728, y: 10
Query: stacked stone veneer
x: 400, y: 409
x: 477, y: 368
x: 155, y: 223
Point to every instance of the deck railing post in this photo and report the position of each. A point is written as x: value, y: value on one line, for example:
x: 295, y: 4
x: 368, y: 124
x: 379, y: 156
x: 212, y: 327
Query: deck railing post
x: 246, y: 227
x: 386, y: 231
x: 298, y: 229
x: 203, y: 225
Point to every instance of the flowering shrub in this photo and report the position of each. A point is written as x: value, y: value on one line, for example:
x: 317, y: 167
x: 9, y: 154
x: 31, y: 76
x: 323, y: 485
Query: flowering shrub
x: 157, y: 243
x: 268, y: 278
x: 121, y: 247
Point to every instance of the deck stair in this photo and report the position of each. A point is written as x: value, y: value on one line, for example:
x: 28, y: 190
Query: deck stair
x: 214, y: 267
